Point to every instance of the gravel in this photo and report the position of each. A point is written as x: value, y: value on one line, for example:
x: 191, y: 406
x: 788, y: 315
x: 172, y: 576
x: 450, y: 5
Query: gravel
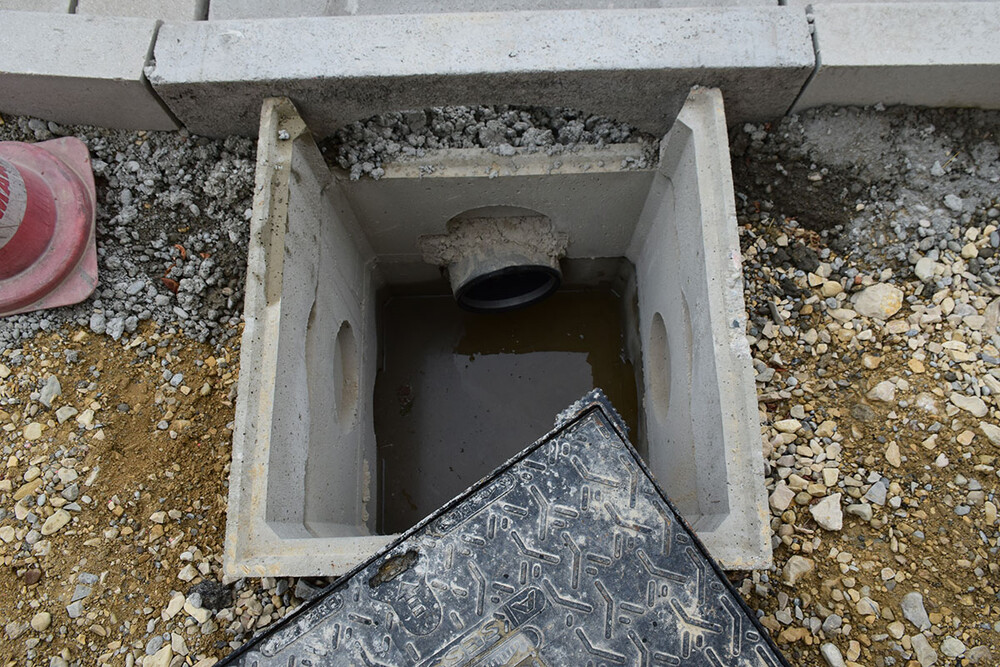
x: 364, y: 146
x: 172, y: 229
x: 886, y: 187
x: 869, y: 239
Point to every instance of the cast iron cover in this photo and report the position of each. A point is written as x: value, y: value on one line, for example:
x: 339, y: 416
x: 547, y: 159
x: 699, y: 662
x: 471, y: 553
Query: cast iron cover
x: 568, y: 554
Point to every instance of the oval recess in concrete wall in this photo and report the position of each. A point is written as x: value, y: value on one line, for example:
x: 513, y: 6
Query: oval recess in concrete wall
x: 658, y: 351
x: 346, y: 377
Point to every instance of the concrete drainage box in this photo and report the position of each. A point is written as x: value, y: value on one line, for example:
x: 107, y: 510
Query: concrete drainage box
x: 303, y: 478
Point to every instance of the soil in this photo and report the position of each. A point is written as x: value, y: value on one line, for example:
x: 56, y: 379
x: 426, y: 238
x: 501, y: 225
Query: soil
x: 138, y: 469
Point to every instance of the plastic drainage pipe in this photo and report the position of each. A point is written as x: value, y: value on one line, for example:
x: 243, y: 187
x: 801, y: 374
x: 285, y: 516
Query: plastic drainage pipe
x: 499, y: 263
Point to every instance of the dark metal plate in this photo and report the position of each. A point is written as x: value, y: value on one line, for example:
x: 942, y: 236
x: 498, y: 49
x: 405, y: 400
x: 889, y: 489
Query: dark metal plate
x: 568, y: 554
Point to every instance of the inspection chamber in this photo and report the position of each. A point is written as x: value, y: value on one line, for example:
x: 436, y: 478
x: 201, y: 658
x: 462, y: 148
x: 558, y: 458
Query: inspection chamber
x: 304, y: 481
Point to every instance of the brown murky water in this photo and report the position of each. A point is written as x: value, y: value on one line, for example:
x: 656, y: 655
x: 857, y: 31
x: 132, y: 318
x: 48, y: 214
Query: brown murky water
x: 459, y: 393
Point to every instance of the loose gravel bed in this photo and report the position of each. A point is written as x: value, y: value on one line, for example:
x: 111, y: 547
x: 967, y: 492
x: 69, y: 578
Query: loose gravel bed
x: 362, y: 147
x: 870, y: 242
x: 172, y: 218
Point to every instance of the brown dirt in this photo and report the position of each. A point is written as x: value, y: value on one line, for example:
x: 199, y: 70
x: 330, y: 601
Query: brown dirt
x: 141, y: 470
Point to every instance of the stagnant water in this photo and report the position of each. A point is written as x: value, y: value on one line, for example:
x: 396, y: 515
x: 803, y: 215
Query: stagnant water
x: 459, y: 393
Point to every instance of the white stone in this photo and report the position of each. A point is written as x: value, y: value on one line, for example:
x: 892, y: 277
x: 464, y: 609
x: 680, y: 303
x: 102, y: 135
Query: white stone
x: 880, y: 301
x: 781, y: 497
x: 826, y: 429
x: 178, y: 644
x: 830, y: 288
x: 832, y: 655
x: 796, y: 568
x: 927, y: 402
x: 199, y: 614
x: 971, y: 404
x: 884, y: 391
x: 788, y: 425
x: 926, y: 655
x: 992, y: 316
x: 86, y: 418
x: 7, y: 534
x: 861, y: 510
x: 843, y: 314
x: 925, y: 269
x: 174, y: 606
x: 913, y: 610
x: 55, y: 522
x: 50, y: 390
x: 988, y: 380
x: 187, y: 573
x: 892, y: 455
x: 868, y: 607
x: 828, y: 513
x: 40, y: 622
x: 13, y: 630
x: 33, y: 431
x: 953, y: 648
x: 797, y: 482
x: 991, y: 431
x: 65, y: 412
x: 161, y: 658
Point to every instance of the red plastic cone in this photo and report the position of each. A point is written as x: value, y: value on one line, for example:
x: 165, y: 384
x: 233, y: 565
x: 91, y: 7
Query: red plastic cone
x: 48, y: 252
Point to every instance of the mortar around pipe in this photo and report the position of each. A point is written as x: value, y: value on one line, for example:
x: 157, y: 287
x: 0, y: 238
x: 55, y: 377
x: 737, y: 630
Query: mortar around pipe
x: 498, y: 263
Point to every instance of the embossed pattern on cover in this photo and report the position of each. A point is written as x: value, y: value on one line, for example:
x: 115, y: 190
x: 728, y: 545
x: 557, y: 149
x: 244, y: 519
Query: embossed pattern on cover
x: 568, y: 554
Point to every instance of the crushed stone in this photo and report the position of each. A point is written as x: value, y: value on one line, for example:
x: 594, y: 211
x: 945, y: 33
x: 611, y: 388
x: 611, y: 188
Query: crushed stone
x: 363, y: 147
x: 173, y: 214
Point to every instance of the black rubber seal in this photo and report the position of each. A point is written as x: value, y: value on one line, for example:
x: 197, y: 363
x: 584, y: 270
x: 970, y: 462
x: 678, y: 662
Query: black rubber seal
x: 508, y: 288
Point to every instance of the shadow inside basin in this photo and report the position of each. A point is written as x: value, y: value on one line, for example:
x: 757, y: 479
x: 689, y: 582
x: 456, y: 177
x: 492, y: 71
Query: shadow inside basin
x: 458, y: 393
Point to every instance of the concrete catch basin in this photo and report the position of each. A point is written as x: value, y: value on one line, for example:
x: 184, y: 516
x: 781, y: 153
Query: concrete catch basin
x: 308, y: 485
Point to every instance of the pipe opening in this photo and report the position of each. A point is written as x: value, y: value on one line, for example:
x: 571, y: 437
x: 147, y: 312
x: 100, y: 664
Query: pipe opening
x: 508, y: 288
x: 498, y: 263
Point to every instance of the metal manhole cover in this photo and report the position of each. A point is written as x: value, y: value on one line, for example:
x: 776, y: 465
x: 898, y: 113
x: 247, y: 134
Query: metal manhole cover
x: 568, y: 554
